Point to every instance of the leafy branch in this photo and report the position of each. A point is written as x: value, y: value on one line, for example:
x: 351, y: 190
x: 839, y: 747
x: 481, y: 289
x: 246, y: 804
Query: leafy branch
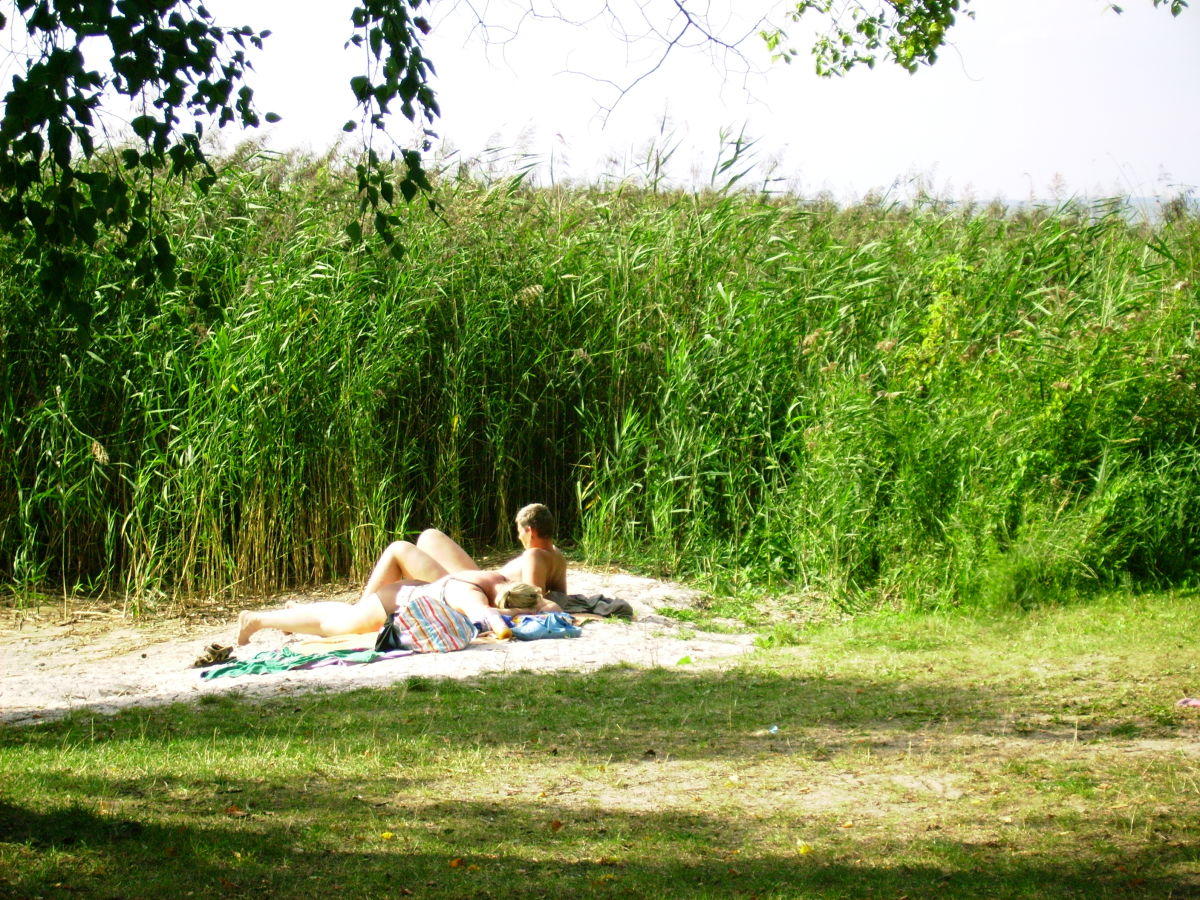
x: 59, y: 195
x: 908, y: 32
x: 397, y: 70
x: 62, y: 191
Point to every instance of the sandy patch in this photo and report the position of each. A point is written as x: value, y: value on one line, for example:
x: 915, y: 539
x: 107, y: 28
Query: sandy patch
x: 55, y: 661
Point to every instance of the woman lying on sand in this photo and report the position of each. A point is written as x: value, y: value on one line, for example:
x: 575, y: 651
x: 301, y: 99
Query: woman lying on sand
x: 474, y: 593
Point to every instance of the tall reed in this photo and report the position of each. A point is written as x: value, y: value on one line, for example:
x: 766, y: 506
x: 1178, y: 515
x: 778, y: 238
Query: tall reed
x: 883, y: 403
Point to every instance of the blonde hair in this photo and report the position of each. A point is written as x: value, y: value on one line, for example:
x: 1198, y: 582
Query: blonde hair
x: 517, y: 595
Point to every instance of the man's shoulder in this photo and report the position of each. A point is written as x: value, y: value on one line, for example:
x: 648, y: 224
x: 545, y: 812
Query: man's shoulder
x: 536, y: 552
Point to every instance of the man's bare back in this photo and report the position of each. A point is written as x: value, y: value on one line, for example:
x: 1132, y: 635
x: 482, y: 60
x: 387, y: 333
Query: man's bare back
x: 545, y: 569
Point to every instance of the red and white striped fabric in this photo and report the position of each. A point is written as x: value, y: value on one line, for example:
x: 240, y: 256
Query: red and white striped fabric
x: 430, y: 623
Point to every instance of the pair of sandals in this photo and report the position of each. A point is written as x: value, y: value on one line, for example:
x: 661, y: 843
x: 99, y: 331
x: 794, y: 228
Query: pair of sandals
x: 213, y: 654
x: 545, y: 625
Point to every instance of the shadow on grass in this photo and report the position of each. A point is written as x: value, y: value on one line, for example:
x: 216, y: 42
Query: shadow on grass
x: 248, y: 798
x: 488, y: 849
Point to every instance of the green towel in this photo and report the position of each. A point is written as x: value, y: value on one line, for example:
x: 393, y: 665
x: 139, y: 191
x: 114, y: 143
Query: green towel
x: 287, y: 659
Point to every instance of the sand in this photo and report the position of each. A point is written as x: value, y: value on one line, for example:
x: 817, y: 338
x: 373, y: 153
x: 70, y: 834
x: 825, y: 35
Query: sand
x: 59, y: 660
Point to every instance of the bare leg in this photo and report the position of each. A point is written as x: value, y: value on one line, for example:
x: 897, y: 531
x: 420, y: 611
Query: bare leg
x: 325, y: 619
x: 402, y: 561
x: 445, y: 551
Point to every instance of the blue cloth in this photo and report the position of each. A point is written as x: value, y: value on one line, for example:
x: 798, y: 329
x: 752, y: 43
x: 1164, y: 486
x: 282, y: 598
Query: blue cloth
x: 545, y: 625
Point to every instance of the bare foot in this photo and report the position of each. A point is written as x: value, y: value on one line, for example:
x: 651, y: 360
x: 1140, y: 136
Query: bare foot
x: 247, y: 625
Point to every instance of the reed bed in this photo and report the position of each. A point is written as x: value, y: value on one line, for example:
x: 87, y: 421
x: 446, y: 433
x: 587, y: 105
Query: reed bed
x: 906, y: 404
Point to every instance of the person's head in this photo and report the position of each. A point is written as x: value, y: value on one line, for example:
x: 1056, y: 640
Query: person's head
x: 516, y: 595
x: 537, y: 517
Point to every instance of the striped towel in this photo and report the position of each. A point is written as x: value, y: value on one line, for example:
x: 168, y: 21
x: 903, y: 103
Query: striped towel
x: 429, y: 624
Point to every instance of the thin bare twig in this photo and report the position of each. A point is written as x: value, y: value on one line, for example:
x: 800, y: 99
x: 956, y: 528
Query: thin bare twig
x: 673, y: 25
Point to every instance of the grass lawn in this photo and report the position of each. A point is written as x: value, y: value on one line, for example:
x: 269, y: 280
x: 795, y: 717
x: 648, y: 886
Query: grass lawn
x: 1026, y: 755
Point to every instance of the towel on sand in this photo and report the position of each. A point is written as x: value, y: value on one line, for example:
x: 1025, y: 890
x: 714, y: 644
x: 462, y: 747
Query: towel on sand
x: 287, y: 659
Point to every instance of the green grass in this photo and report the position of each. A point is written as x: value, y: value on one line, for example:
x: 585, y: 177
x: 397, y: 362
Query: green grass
x: 1024, y: 755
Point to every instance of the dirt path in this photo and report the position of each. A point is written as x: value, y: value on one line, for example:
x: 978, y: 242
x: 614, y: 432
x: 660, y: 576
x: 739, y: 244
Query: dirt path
x: 54, y: 660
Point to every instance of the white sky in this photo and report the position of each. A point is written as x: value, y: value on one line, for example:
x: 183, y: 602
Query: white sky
x: 1035, y: 98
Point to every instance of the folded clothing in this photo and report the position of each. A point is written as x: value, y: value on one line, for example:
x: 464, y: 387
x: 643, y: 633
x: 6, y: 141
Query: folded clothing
x: 593, y: 604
